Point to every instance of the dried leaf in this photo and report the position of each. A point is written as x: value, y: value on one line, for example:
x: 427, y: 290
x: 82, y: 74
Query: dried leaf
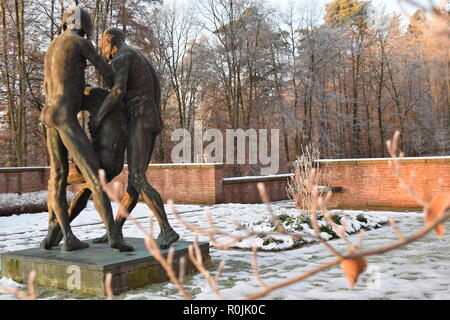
x: 352, y: 268
x: 438, y: 205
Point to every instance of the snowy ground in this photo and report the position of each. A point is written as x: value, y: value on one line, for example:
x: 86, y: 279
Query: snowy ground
x: 418, y: 271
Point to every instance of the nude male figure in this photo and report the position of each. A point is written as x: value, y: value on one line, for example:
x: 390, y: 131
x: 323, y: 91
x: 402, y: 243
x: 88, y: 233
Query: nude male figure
x: 109, y: 141
x: 136, y: 83
x: 64, y: 82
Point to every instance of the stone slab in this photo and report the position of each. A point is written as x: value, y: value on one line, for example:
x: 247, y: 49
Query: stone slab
x: 84, y: 271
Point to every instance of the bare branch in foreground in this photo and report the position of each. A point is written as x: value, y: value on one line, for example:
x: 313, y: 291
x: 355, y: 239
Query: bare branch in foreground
x: 30, y: 295
x: 195, y: 254
x: 152, y: 247
x: 108, y: 286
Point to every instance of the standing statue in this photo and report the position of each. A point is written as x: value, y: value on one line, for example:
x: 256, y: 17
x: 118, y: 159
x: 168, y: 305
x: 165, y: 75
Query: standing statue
x: 136, y: 82
x: 109, y: 141
x: 111, y: 128
x: 64, y: 82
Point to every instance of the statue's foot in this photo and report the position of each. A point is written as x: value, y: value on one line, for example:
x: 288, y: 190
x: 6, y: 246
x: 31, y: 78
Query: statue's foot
x: 46, y: 244
x: 167, y: 237
x: 120, y: 245
x: 102, y: 239
x: 73, y: 243
x: 58, y: 239
x: 53, y: 237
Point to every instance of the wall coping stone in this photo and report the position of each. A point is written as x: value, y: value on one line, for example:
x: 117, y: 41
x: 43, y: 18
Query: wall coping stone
x: 375, y: 161
x: 249, y: 179
x: 150, y: 166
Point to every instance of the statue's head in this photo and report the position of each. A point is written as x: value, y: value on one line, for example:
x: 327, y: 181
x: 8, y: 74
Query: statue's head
x: 112, y: 39
x: 77, y: 18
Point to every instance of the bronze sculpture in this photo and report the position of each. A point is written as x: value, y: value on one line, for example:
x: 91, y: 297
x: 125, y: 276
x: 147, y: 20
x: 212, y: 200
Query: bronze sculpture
x: 134, y: 81
x: 64, y: 82
x: 109, y: 141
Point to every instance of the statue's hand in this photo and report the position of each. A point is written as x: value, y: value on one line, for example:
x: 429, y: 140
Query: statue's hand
x: 111, y: 101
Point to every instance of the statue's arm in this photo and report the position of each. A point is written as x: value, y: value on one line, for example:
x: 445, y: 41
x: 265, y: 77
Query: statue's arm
x: 119, y: 89
x: 98, y: 62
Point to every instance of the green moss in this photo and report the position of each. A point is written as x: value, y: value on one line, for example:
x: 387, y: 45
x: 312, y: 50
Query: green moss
x: 336, y: 218
x: 360, y: 217
x: 327, y: 228
x: 284, y: 218
x: 12, y: 268
x: 140, y: 277
x: 305, y: 219
x: 269, y: 240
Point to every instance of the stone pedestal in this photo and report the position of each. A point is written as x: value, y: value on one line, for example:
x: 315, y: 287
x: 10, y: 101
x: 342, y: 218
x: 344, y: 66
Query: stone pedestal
x: 84, y: 271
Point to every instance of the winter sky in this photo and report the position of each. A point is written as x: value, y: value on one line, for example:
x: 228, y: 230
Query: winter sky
x: 400, y: 6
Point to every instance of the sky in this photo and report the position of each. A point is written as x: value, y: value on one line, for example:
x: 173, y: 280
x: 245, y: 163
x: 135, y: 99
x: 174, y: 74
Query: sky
x: 393, y: 5
x: 390, y: 5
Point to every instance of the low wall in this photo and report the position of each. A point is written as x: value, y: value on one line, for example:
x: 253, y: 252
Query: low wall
x: 183, y: 183
x: 23, y: 179
x: 244, y: 189
x: 364, y: 183
x: 371, y: 183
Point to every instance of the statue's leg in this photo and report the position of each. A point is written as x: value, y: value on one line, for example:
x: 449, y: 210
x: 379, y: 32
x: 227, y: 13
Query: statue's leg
x: 57, y: 194
x: 82, y: 151
x: 142, y: 137
x: 128, y: 203
x: 54, y: 231
x: 52, y: 221
x: 77, y: 205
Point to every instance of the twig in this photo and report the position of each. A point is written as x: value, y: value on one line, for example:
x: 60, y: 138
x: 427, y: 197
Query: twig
x: 195, y: 254
x: 296, y: 279
x: 394, y: 164
x: 256, y: 269
x: 152, y: 247
x: 396, y: 229
x: 108, y: 286
x: 30, y: 295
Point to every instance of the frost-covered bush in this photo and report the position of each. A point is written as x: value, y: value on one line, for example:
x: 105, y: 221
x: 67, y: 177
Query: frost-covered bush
x: 301, y: 223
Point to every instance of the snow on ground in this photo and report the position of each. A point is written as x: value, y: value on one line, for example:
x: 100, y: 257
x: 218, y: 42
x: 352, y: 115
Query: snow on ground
x: 18, y: 202
x: 417, y: 271
x: 293, y: 222
x: 7, y: 199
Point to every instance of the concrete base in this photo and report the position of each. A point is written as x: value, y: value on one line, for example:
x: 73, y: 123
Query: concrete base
x: 84, y: 271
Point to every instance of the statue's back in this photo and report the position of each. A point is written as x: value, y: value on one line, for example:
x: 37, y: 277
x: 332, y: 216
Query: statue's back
x: 64, y: 68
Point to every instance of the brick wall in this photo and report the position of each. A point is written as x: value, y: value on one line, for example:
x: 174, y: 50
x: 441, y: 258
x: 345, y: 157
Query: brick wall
x: 244, y: 189
x: 20, y: 180
x: 183, y: 183
x: 370, y: 182
x: 364, y: 183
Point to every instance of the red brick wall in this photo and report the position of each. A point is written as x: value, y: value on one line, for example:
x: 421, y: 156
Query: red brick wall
x: 18, y: 180
x: 364, y: 182
x: 183, y: 183
x: 371, y: 182
x: 244, y: 190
